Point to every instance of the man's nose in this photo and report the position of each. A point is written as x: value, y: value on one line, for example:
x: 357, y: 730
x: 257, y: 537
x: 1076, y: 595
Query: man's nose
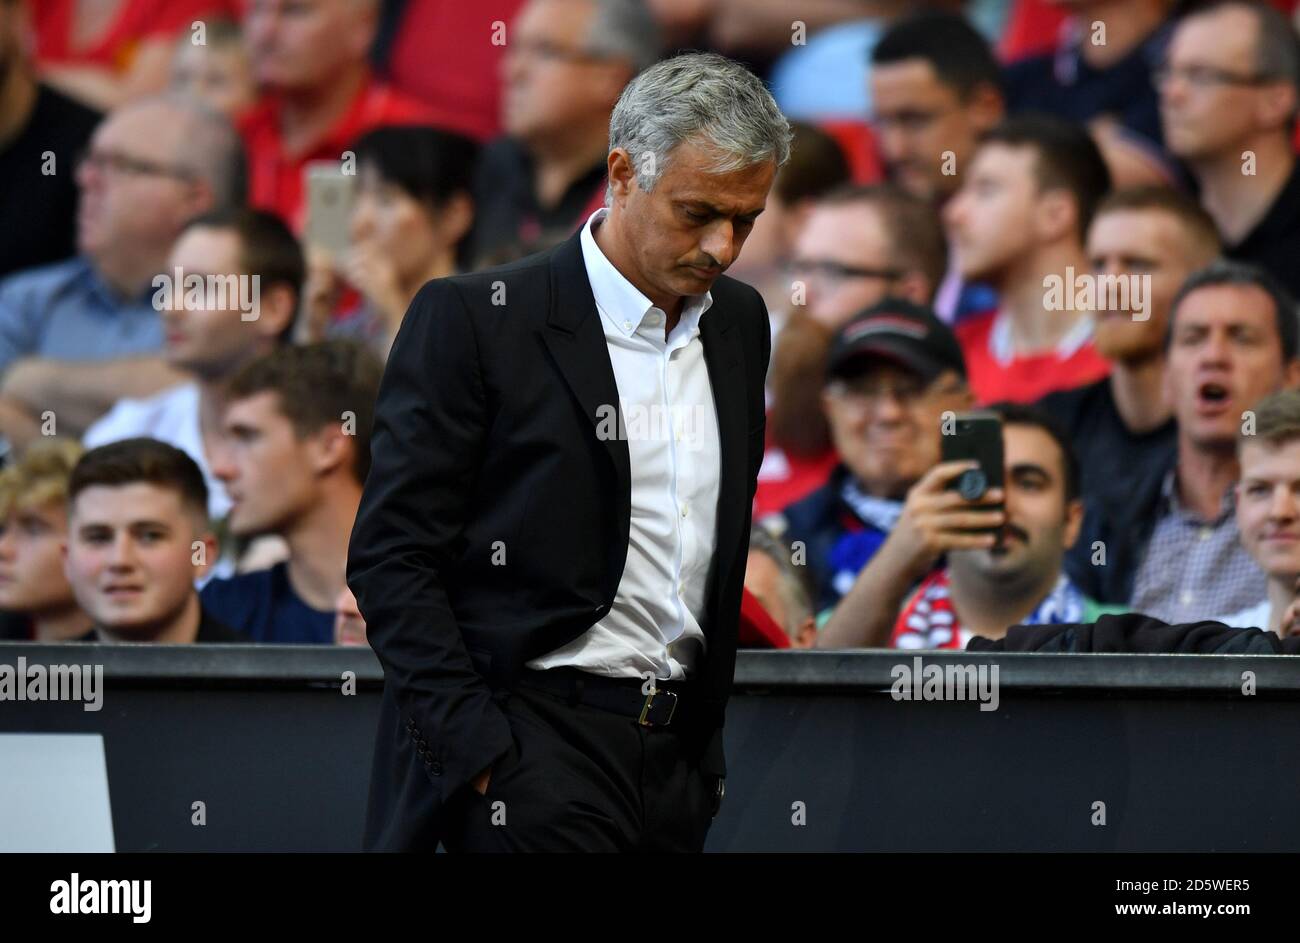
x: 720, y: 242
x: 1283, y: 506
x: 122, y: 552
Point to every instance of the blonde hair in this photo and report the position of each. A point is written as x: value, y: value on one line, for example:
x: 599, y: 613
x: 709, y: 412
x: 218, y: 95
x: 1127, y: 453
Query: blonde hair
x: 39, y: 477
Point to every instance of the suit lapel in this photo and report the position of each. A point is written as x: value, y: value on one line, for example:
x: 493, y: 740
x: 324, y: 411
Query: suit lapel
x: 576, y: 340
x: 722, y: 354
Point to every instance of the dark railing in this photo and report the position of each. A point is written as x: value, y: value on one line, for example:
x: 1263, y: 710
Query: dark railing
x: 1083, y: 752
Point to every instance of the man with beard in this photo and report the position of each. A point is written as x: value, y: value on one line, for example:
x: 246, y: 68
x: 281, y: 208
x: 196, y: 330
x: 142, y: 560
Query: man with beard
x: 891, y: 375
x: 1168, y: 547
x: 1121, y: 425
x: 991, y: 580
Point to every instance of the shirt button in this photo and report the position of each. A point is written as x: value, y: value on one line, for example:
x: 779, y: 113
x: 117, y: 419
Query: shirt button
x: 1205, y: 533
x: 1185, y: 598
x: 627, y: 325
x: 685, y: 510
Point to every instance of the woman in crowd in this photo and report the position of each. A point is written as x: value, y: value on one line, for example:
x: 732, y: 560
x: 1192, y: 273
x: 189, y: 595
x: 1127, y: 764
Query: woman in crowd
x: 409, y: 224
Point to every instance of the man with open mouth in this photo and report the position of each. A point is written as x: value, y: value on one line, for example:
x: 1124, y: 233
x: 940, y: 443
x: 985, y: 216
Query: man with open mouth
x: 1170, y: 547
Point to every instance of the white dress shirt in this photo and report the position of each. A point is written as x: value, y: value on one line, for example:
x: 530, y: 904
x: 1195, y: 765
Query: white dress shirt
x: 671, y: 426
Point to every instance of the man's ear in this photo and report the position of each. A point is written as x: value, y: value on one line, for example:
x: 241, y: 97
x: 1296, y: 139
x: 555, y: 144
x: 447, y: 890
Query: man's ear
x: 1055, y: 214
x: 331, y: 447
x: 1073, y: 522
x: 275, y: 310
x: 622, y: 175
x: 985, y: 107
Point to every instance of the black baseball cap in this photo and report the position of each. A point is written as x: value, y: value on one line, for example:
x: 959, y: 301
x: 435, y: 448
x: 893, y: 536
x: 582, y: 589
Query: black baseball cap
x: 898, y: 330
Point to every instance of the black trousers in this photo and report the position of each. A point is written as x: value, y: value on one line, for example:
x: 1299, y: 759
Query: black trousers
x: 579, y: 778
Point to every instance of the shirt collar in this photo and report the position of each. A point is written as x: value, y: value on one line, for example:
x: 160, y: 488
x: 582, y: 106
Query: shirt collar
x: 1002, y: 347
x: 621, y: 303
x: 1169, y: 497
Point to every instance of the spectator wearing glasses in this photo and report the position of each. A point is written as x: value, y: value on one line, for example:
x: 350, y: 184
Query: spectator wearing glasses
x: 857, y: 245
x: 891, y: 374
x: 1228, y: 100
x: 151, y: 167
x: 564, y: 68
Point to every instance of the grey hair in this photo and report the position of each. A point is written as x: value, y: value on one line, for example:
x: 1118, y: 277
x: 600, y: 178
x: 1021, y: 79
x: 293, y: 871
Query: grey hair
x: 210, y: 148
x: 700, y: 97
x: 625, y: 29
x: 795, y: 590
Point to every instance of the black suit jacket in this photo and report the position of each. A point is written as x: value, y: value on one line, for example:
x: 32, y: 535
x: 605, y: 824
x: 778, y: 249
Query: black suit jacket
x: 494, y: 523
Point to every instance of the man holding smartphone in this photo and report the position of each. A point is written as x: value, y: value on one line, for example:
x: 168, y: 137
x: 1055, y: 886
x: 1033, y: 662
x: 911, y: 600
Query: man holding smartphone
x: 956, y: 568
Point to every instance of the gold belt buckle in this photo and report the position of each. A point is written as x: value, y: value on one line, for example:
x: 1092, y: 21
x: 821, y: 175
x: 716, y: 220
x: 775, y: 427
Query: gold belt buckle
x: 649, y: 700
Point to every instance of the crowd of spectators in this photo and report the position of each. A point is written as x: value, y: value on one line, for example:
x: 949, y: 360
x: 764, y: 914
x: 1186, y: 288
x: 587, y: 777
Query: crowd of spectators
x: 1079, y: 216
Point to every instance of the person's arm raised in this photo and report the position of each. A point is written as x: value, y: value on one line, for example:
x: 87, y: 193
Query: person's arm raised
x: 430, y: 431
x: 934, y: 520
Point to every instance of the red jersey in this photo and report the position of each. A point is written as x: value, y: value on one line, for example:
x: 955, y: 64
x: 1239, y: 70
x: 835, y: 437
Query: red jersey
x: 275, y: 177
x: 135, y: 22
x: 996, y: 373
x: 444, y: 54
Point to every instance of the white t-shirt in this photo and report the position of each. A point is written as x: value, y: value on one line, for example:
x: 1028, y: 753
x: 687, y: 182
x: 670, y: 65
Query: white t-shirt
x: 171, y: 416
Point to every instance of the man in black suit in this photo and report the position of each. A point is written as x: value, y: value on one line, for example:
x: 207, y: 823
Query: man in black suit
x: 551, y: 544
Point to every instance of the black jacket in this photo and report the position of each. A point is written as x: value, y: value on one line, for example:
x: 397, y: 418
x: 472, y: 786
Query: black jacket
x: 485, y: 443
x: 1134, y: 632
x: 1123, y: 523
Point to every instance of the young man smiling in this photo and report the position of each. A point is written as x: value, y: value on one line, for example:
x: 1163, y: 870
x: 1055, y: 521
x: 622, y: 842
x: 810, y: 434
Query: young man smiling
x: 138, y: 537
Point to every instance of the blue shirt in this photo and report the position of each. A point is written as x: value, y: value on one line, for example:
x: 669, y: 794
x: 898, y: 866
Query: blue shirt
x: 66, y: 311
x: 263, y: 605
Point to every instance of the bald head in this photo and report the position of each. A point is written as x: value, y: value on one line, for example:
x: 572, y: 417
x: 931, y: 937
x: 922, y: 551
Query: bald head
x: 152, y: 166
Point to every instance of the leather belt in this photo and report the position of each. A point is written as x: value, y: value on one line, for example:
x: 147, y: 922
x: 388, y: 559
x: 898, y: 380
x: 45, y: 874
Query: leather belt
x: 669, y: 703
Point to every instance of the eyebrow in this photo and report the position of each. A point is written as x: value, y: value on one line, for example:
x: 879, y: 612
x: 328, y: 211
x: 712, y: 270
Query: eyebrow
x: 1030, y: 468
x: 702, y: 203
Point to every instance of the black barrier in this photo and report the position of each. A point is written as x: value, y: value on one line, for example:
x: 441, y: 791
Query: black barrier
x: 826, y: 750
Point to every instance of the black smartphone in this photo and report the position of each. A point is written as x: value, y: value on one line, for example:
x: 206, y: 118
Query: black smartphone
x: 977, y: 436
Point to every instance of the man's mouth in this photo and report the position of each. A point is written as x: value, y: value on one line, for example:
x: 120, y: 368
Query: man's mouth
x: 1212, y: 397
x: 123, y: 590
